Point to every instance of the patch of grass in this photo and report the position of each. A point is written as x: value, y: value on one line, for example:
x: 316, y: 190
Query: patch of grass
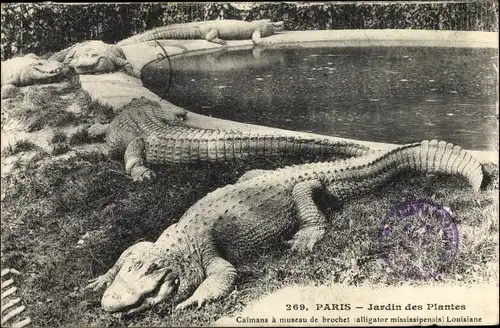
x: 92, y: 108
x: 59, y: 137
x: 19, y: 146
x: 42, y: 107
x: 47, y: 105
x: 80, y: 137
x: 60, y: 148
x: 60, y: 202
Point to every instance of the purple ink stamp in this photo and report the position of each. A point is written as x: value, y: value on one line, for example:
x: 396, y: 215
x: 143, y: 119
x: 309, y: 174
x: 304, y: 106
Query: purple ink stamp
x: 419, y: 239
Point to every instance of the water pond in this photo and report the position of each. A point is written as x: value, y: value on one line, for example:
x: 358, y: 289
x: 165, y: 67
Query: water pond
x: 382, y: 94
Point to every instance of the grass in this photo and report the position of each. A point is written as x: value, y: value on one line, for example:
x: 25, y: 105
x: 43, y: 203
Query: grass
x: 18, y: 147
x: 80, y: 137
x: 59, y: 137
x: 58, y: 203
x: 42, y: 106
x: 47, y: 106
x: 89, y: 107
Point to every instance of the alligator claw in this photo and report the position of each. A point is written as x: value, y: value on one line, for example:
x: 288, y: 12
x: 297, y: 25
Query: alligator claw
x: 146, y: 174
x: 305, y: 239
x: 187, y: 303
x: 97, y: 283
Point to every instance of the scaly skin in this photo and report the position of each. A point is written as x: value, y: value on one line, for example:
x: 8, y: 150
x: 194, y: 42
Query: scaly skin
x: 213, y: 31
x: 192, y: 261
x: 28, y: 70
x: 148, y: 133
x: 95, y: 57
x: 9, y: 301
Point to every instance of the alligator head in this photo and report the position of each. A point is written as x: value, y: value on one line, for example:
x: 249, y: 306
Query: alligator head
x: 92, y: 61
x: 269, y: 27
x: 150, y: 277
x: 41, y: 70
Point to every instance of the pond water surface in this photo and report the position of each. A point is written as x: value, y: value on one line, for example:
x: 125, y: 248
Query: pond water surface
x: 395, y: 95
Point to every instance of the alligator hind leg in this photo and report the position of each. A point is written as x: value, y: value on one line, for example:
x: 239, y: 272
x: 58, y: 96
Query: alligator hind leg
x: 312, y: 223
x: 134, y: 161
x: 212, y: 36
x: 251, y: 174
x: 106, y: 279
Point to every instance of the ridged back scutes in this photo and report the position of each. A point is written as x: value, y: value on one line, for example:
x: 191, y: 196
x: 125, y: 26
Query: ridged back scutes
x: 427, y: 156
x: 442, y: 157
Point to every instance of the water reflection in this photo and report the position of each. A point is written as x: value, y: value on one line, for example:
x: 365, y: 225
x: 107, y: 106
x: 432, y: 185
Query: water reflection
x: 392, y: 95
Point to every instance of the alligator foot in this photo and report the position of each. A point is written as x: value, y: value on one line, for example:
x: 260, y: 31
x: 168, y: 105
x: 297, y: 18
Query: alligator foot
x: 15, y: 312
x: 142, y: 173
x: 100, y: 282
x: 129, y: 69
x: 9, y: 91
x: 305, y: 239
x: 189, y: 302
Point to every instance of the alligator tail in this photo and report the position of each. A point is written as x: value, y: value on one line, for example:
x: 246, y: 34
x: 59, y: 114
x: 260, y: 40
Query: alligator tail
x: 167, y: 32
x: 443, y: 157
x: 237, y: 145
x: 199, y: 145
x: 434, y: 157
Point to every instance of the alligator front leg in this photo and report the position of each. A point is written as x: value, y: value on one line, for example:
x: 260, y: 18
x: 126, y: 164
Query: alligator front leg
x: 256, y: 37
x: 221, y: 276
x: 311, y: 221
x: 9, y: 91
x: 213, y: 36
x: 135, y: 160
x: 106, y: 279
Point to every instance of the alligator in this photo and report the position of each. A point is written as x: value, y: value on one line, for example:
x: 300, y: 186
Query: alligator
x: 213, y: 31
x: 95, y: 57
x: 191, y: 262
x: 146, y: 132
x: 28, y: 70
x: 15, y: 313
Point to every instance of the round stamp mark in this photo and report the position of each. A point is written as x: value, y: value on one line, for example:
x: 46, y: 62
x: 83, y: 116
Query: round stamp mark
x: 419, y: 239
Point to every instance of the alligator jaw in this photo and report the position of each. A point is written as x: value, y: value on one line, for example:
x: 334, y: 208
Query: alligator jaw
x: 48, y: 73
x: 164, y: 291
x: 278, y: 26
x: 113, y: 300
x: 87, y: 68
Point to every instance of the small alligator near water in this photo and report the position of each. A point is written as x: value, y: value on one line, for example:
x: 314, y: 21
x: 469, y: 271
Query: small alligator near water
x: 95, y: 57
x: 148, y: 133
x: 192, y: 261
x: 216, y: 31
x: 28, y: 70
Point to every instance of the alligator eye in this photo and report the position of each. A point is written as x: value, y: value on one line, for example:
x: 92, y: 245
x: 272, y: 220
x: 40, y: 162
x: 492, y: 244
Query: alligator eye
x: 153, y: 267
x: 137, y: 265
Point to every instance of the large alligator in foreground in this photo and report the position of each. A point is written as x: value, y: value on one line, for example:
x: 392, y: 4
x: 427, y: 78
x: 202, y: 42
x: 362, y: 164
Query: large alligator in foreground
x: 148, y: 133
x: 28, y: 70
x: 95, y: 57
x: 216, y: 31
x: 192, y: 261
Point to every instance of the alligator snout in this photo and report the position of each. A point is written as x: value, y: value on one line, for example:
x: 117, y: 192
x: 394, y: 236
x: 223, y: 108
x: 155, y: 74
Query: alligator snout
x: 114, y: 302
x: 111, y: 302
